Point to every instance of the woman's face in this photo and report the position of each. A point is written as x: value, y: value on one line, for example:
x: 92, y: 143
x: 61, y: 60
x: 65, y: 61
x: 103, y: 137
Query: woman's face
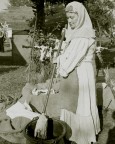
x: 72, y: 19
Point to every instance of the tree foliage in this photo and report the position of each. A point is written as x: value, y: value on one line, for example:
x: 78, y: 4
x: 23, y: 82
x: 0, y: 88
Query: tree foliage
x: 101, y: 15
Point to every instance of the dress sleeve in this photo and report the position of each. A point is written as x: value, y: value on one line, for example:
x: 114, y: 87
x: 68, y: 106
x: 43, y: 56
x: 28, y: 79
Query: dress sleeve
x: 72, y: 56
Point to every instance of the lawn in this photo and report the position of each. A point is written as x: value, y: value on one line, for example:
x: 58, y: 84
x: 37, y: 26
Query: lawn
x: 17, y: 17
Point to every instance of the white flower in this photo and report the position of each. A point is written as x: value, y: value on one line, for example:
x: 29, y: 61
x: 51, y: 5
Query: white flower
x: 100, y: 49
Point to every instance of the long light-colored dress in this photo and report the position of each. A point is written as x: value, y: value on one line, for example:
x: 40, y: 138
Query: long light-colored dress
x: 85, y: 122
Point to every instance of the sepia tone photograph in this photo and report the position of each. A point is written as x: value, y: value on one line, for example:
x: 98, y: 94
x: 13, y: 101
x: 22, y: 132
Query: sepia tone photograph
x: 57, y: 72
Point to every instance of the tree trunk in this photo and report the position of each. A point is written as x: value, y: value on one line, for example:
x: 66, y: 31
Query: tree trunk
x: 40, y: 15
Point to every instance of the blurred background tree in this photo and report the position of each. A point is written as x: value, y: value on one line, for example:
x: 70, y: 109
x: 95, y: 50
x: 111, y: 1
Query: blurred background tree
x: 38, y: 9
x: 101, y: 13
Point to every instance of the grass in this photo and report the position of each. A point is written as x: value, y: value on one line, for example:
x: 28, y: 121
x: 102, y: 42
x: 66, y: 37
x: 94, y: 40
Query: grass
x: 12, y: 80
x: 20, y: 2
x: 17, y: 17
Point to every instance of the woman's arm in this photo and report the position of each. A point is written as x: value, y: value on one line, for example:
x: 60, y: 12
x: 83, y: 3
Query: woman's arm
x: 72, y: 56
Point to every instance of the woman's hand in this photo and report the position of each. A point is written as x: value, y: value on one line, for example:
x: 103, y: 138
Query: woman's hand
x: 63, y: 31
